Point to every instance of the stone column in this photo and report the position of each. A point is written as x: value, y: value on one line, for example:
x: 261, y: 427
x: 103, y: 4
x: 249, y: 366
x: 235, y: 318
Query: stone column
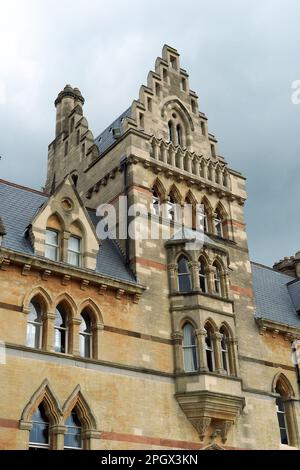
x: 164, y: 153
x: 48, y: 331
x: 57, y: 437
x: 194, y: 269
x: 73, y: 336
x: 205, y: 170
x: 181, y: 157
x: 90, y: 437
x: 97, y: 331
x: 210, y: 279
x: 217, y: 338
x: 64, y: 246
x: 225, y: 283
x: 202, y: 360
x: 233, y: 356
x: 177, y: 338
x: 155, y: 150
x: 172, y: 268
x: 197, y: 166
x: 173, y: 155
x: 189, y: 162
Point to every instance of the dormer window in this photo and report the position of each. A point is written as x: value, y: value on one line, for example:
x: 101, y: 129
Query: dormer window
x: 74, y: 251
x: 52, y: 245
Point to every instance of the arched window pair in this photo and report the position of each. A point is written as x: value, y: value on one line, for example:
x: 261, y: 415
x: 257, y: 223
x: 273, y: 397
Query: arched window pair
x: 185, y: 277
x: 39, y: 437
x: 61, y: 329
x: 53, y: 242
x: 190, y: 350
x: 213, y: 222
x: 212, y: 353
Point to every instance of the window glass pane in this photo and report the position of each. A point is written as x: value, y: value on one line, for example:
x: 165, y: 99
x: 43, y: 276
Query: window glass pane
x: 283, y: 436
x: 39, y: 433
x: 74, y: 244
x: 33, y: 335
x: 73, y: 258
x: 73, y: 435
x: 35, y: 314
x: 51, y: 252
x: 51, y: 237
x: 184, y: 283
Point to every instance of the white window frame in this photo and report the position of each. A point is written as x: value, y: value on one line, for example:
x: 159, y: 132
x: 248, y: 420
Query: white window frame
x: 56, y: 246
x: 77, y: 253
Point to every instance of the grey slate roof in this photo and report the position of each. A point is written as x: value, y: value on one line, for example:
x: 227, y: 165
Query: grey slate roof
x: 17, y: 208
x: 106, y: 138
x: 272, y: 296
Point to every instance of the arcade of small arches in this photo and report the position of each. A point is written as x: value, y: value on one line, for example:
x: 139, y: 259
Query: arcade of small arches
x: 61, y: 326
x: 205, y: 274
x: 171, y: 204
x: 207, y: 348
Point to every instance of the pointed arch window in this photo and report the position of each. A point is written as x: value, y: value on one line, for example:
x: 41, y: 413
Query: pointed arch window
x: 171, y: 208
x: 225, y: 349
x: 217, y: 280
x: 285, y: 412
x: 39, y: 434
x: 86, y: 335
x: 209, y: 348
x: 218, y: 223
x: 184, y: 275
x: 34, y: 325
x: 171, y: 132
x: 179, y: 135
x: 189, y: 348
x: 73, y: 435
x: 61, y: 330
x: 202, y: 276
x: 155, y: 202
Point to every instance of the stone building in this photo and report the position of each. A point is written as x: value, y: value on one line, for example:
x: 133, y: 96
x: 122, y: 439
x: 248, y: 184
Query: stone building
x: 142, y: 342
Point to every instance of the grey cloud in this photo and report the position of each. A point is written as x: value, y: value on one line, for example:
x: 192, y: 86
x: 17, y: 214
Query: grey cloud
x: 241, y: 57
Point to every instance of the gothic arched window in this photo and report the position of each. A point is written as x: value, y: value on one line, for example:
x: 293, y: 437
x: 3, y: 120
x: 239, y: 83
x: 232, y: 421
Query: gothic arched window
x: 202, y: 276
x: 209, y: 348
x: 155, y: 202
x: 73, y: 435
x: 184, y: 275
x: 225, y: 349
x: 86, y: 335
x: 189, y: 348
x: 34, y: 325
x: 61, y: 330
x: 218, y: 280
x: 39, y: 434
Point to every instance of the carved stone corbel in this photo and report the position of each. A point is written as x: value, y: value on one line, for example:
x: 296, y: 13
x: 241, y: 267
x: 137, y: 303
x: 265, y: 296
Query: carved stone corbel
x: 201, y: 425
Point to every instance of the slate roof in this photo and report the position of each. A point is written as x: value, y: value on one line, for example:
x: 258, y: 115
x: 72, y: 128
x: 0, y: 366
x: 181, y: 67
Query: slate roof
x: 18, y: 206
x: 272, y: 291
x: 106, y: 138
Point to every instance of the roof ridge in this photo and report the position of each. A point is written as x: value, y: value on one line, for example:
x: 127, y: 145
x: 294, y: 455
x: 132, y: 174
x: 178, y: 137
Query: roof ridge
x: 24, y: 188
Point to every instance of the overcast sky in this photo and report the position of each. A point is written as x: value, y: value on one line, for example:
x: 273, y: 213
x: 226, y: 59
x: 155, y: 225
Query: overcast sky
x: 242, y: 57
